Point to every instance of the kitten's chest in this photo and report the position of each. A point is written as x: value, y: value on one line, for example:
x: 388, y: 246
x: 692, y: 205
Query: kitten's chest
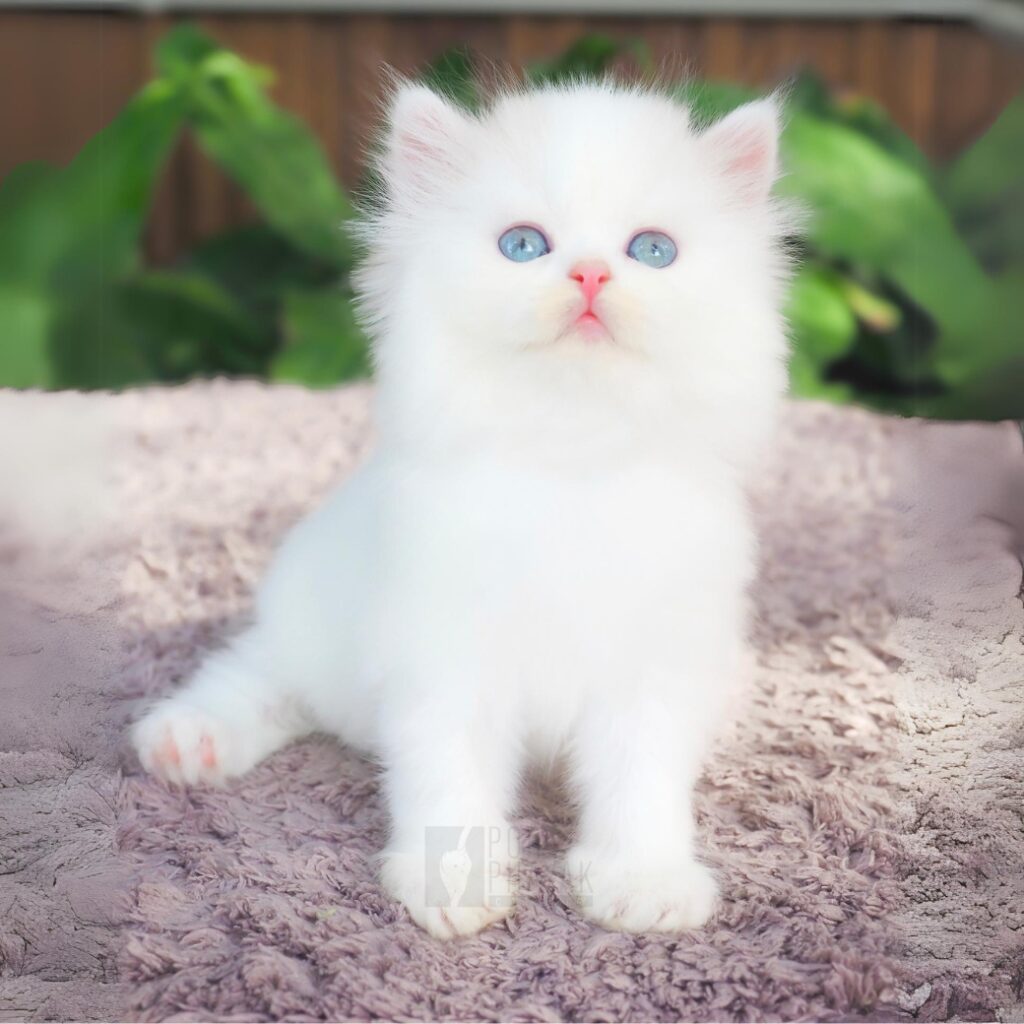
x: 513, y: 541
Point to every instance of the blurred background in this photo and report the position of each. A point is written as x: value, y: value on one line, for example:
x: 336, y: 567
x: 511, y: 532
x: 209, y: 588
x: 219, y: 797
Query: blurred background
x: 174, y: 179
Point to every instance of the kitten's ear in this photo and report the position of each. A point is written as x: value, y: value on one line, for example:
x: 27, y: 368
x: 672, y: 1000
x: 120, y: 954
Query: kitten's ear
x: 745, y: 145
x: 426, y: 137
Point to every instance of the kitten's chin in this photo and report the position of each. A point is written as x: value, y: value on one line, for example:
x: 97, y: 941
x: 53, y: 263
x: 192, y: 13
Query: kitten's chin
x: 591, y: 328
x: 588, y: 329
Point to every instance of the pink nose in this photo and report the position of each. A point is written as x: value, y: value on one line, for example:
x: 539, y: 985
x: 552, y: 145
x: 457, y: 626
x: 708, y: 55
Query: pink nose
x: 591, y: 275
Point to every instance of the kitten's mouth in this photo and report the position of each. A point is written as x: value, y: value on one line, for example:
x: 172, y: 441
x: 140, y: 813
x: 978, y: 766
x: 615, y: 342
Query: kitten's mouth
x: 591, y: 327
x: 582, y: 324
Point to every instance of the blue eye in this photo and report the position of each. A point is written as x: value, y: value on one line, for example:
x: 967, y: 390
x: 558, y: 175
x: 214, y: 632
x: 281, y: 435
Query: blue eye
x: 523, y: 243
x: 652, y: 249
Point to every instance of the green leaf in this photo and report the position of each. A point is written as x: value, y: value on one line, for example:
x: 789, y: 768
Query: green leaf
x: 323, y: 343
x: 157, y: 325
x: 591, y: 56
x: 453, y: 74
x: 823, y: 328
x: 270, y: 153
x: 181, y: 50
x: 871, y: 209
x: 820, y: 314
x: 93, y: 344
x: 22, y: 182
x: 994, y: 387
x: 25, y: 315
x: 810, y: 94
x: 991, y: 168
x: 875, y: 312
x: 258, y: 265
x: 709, y: 100
x: 806, y: 381
x: 985, y: 190
x: 65, y: 235
x: 80, y: 225
x: 195, y: 309
x: 872, y: 121
x: 996, y: 234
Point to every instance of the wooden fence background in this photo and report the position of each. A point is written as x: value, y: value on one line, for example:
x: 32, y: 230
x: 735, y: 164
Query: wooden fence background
x: 64, y: 75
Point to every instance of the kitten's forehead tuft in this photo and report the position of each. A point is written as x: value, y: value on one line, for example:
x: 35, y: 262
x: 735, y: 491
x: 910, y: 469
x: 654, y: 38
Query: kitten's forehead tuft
x: 586, y: 144
x: 590, y: 109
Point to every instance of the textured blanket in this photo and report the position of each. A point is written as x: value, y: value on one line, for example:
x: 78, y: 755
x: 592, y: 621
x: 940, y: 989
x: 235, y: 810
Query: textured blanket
x: 863, y: 815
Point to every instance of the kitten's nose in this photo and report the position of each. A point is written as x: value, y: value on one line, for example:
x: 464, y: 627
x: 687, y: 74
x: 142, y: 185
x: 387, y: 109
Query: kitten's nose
x: 591, y: 275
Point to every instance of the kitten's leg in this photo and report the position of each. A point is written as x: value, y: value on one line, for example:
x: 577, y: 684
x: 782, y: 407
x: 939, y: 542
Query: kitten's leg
x: 226, y: 719
x: 450, y: 778
x: 634, y: 866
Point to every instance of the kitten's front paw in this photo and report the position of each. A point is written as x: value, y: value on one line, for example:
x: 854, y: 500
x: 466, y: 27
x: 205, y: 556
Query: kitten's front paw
x: 183, y: 744
x: 630, y: 898
x: 451, y: 905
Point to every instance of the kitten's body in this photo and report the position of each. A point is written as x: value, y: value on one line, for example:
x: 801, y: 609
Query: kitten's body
x: 548, y: 550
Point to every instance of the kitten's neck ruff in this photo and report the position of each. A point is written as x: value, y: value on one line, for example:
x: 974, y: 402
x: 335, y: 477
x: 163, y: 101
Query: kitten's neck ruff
x: 572, y: 410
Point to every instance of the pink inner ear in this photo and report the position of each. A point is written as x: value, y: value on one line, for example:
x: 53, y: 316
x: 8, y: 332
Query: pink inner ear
x: 745, y: 141
x: 753, y: 157
x: 423, y: 146
x: 430, y: 129
x: 416, y: 149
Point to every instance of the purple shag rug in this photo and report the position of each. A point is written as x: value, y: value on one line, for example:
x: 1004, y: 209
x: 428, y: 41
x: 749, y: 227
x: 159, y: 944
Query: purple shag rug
x: 863, y: 815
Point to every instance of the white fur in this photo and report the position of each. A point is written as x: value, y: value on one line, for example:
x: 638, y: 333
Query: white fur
x: 548, y: 551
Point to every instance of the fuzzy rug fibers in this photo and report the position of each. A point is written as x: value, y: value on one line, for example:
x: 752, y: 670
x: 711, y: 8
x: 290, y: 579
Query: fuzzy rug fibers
x: 864, y: 815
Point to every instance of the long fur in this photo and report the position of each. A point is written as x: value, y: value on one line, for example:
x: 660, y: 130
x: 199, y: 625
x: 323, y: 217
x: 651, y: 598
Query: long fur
x: 547, y: 553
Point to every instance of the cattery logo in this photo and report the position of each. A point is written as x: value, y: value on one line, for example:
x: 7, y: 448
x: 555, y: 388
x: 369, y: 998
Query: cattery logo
x: 579, y: 878
x: 468, y: 865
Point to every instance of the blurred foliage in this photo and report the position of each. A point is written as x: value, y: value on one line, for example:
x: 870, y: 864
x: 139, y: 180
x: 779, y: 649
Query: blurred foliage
x: 79, y: 309
x: 908, y: 294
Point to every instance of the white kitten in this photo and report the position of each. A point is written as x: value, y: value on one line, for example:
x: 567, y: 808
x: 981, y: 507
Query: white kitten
x: 549, y: 548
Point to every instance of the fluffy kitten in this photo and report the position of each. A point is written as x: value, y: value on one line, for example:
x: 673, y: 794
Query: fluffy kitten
x: 549, y: 548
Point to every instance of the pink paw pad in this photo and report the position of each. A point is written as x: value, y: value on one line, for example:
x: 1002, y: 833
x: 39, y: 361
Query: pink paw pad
x: 167, y: 752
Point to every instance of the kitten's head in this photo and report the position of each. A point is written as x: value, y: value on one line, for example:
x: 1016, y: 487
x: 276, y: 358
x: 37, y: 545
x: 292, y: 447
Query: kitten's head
x: 587, y: 225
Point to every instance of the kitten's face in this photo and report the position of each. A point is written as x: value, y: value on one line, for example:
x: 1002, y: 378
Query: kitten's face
x: 590, y: 222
